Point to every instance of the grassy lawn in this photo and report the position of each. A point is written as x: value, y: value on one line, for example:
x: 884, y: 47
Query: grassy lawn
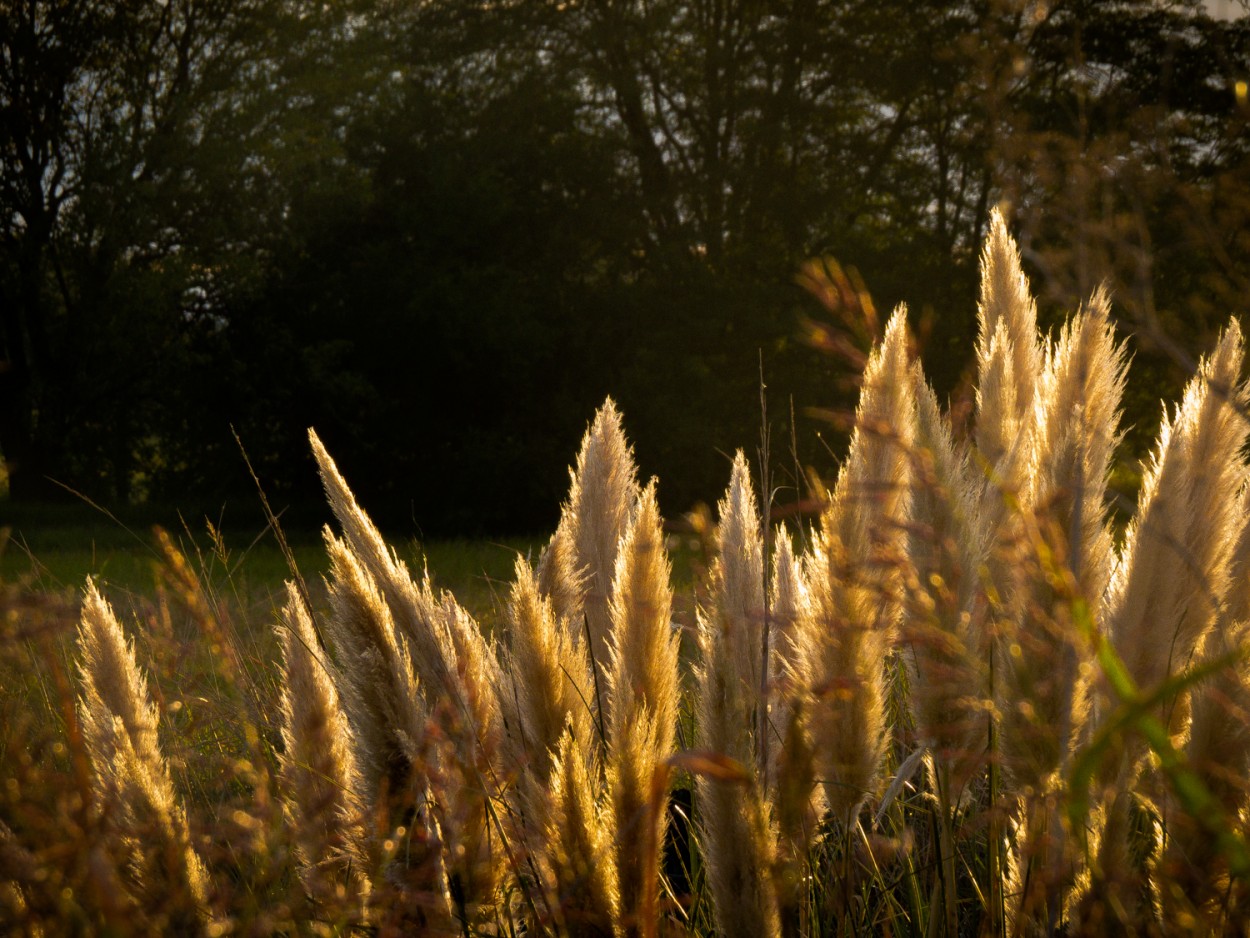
x: 54, y: 549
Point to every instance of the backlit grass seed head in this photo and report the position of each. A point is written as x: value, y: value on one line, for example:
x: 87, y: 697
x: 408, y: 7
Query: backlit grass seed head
x: 448, y: 651
x: 787, y: 672
x: 550, y: 684
x: 460, y: 681
x: 644, y: 655
x: 643, y: 688
x: 1175, y: 564
x: 1007, y: 302
x: 579, y: 844
x: 1218, y: 748
x: 603, y: 492
x: 943, y: 623
x: 1058, y: 548
x: 132, y: 783
x: 732, y: 627
x: 853, y: 579
x: 318, y: 767
x: 1001, y: 427
x: 379, y: 689
x: 560, y: 579
x: 1077, y: 431
x: 738, y: 847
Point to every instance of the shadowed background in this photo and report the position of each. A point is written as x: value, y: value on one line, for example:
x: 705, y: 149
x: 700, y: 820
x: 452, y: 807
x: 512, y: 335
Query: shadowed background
x: 443, y: 233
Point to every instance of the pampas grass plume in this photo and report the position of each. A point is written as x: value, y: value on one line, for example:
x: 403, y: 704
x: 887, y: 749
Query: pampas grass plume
x: 852, y: 577
x: 643, y: 689
x: 738, y: 846
x: 132, y: 781
x: 318, y: 767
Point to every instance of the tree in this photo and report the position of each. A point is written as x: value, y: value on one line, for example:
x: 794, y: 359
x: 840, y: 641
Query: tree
x: 137, y: 155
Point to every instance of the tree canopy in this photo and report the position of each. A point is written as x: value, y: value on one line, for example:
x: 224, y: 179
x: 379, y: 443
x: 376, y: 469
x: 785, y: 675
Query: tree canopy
x: 443, y: 232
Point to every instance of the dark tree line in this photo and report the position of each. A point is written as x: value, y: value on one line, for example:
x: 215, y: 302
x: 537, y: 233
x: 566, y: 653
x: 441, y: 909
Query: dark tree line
x: 443, y: 232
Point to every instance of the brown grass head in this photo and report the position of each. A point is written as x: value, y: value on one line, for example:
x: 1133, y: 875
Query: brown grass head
x: 1175, y: 563
x: 644, y: 689
x: 551, y: 686
x: 318, y: 771
x: 135, y: 793
x: 603, y: 492
x: 853, y: 576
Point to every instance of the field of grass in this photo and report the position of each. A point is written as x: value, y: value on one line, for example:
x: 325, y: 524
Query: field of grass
x: 53, y: 549
x: 962, y: 703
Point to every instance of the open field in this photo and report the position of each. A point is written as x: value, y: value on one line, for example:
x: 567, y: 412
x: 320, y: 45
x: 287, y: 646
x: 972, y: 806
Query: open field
x: 960, y: 703
x: 54, y: 549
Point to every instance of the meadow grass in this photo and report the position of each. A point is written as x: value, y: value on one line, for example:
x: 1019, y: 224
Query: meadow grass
x: 965, y: 705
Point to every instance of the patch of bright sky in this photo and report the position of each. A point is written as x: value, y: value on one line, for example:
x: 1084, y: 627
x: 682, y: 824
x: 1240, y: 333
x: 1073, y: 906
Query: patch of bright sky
x: 1226, y: 9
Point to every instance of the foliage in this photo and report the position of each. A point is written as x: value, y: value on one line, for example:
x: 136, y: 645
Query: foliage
x: 961, y: 706
x: 422, y: 227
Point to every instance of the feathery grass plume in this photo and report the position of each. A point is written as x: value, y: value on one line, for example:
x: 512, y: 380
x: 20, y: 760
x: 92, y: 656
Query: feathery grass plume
x: 132, y: 782
x: 603, y: 492
x: 551, y: 684
x: 944, y: 627
x: 1175, y: 563
x: 318, y: 770
x: 1009, y: 366
x: 1006, y: 303
x: 460, y: 681
x: 644, y: 688
x: 1061, y: 554
x: 1193, y: 876
x: 1076, y: 430
x: 580, y: 836
x: 789, y: 596
x: 449, y: 655
x: 379, y: 690
x: 733, y: 820
x: 1165, y: 588
x: 853, y: 582
x: 559, y: 577
x: 790, y: 776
